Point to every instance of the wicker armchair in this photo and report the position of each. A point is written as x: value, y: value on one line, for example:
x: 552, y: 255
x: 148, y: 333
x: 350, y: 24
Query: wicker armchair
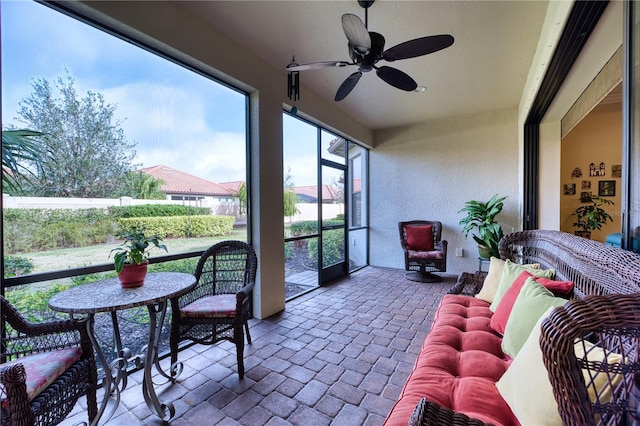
x: 219, y: 306
x: 24, y: 346
x: 421, y: 262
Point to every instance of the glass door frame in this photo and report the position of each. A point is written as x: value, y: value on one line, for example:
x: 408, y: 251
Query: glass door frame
x: 338, y: 269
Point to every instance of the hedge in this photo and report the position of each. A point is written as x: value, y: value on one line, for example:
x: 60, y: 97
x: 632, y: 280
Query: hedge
x: 181, y: 226
x: 332, y: 247
x: 155, y: 210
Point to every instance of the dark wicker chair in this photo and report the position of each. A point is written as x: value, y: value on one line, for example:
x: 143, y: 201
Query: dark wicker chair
x: 420, y: 264
x: 219, y: 306
x: 21, y: 339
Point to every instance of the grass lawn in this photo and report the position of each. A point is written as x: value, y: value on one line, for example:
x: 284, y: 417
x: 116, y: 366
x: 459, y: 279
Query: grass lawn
x: 69, y: 258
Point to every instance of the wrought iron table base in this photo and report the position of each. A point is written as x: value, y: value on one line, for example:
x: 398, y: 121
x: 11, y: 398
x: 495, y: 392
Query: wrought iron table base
x: 116, y: 374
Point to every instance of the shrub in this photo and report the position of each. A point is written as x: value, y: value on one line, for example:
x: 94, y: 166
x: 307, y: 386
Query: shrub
x: 16, y: 265
x: 33, y: 304
x: 305, y: 227
x: 155, y: 210
x: 45, y: 229
x: 182, y: 226
x: 332, y: 247
x: 187, y: 266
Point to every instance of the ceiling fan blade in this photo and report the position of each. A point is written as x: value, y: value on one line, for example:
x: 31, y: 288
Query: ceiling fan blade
x: 347, y: 86
x: 356, y: 33
x: 319, y: 65
x: 397, y: 78
x: 418, y: 47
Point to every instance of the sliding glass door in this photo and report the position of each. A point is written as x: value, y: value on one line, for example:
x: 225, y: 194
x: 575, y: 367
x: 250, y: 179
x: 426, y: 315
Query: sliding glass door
x: 325, y: 205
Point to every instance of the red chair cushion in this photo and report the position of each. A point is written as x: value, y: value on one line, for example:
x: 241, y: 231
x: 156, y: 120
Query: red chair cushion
x: 419, y: 237
x: 424, y: 255
x: 44, y: 368
x: 218, y: 306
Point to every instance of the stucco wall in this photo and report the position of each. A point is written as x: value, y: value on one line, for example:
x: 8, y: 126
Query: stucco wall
x: 428, y: 171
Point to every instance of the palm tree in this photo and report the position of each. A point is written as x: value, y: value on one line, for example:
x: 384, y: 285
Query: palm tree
x: 19, y: 149
x: 143, y: 186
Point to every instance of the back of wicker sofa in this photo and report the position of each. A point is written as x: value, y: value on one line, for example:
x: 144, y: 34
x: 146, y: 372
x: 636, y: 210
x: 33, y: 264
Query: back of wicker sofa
x: 604, y: 313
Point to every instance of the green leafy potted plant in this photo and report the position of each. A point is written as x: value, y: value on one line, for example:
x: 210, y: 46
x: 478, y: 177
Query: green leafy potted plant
x: 131, y: 257
x: 482, y: 217
x: 591, y: 216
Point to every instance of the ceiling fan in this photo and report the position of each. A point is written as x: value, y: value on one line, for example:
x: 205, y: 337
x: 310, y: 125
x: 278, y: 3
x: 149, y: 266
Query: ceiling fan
x: 366, y: 49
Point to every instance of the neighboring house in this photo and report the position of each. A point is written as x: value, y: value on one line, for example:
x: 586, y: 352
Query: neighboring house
x: 309, y: 194
x: 182, y: 186
x: 234, y: 186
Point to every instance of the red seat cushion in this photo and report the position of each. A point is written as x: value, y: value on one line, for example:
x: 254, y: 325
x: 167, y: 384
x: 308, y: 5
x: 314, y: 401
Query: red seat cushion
x: 218, y: 306
x: 458, y: 365
x: 419, y: 237
x: 425, y: 255
x: 44, y: 368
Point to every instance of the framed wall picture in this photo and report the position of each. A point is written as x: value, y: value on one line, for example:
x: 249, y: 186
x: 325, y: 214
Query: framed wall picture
x: 586, y: 184
x: 616, y: 171
x: 569, y: 189
x: 586, y: 196
x: 607, y: 188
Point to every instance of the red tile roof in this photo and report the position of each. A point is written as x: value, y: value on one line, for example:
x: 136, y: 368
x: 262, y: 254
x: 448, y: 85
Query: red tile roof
x: 177, y: 182
x: 328, y: 191
x: 233, y: 186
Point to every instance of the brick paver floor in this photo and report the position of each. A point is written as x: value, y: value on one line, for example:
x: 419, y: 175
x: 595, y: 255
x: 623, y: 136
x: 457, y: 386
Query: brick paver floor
x: 336, y: 356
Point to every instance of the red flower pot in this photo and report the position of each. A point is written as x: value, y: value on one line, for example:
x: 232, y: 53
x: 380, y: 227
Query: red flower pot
x: 133, y: 276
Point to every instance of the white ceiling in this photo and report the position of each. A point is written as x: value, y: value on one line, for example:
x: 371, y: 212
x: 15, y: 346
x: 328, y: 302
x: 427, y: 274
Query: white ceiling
x: 484, y: 70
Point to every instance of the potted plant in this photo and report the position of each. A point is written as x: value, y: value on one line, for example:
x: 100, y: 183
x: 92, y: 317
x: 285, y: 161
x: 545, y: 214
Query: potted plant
x: 481, y: 217
x: 131, y: 258
x: 591, y: 216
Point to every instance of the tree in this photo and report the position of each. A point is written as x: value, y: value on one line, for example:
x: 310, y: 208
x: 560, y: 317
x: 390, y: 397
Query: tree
x: 89, y: 154
x: 142, y: 186
x: 242, y: 197
x: 289, y: 195
x: 18, y: 149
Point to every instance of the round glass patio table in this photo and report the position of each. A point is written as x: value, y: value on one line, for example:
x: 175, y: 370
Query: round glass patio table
x: 109, y: 296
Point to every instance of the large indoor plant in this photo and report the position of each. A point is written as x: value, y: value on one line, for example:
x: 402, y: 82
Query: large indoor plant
x: 481, y: 216
x: 131, y: 257
x: 591, y: 216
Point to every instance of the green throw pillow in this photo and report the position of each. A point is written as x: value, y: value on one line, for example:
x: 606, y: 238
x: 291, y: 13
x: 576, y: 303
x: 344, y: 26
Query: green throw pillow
x: 529, y: 306
x: 510, y: 273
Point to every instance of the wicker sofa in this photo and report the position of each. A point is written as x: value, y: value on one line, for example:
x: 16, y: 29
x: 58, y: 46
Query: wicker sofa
x: 457, y: 378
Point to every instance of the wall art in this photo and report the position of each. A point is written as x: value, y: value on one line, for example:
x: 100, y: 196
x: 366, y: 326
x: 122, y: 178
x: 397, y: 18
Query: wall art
x: 607, y: 188
x: 616, y: 171
x: 569, y: 189
x: 597, y: 170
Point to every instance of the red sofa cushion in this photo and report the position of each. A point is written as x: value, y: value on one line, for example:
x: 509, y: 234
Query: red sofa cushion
x: 458, y: 365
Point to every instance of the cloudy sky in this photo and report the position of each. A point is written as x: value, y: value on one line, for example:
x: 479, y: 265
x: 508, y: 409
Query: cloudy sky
x: 176, y: 117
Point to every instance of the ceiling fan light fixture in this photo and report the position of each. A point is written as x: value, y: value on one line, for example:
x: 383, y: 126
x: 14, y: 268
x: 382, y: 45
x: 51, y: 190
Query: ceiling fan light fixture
x: 420, y: 89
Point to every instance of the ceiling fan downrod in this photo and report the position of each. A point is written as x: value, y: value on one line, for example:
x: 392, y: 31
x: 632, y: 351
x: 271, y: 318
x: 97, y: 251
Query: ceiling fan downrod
x: 366, y: 4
